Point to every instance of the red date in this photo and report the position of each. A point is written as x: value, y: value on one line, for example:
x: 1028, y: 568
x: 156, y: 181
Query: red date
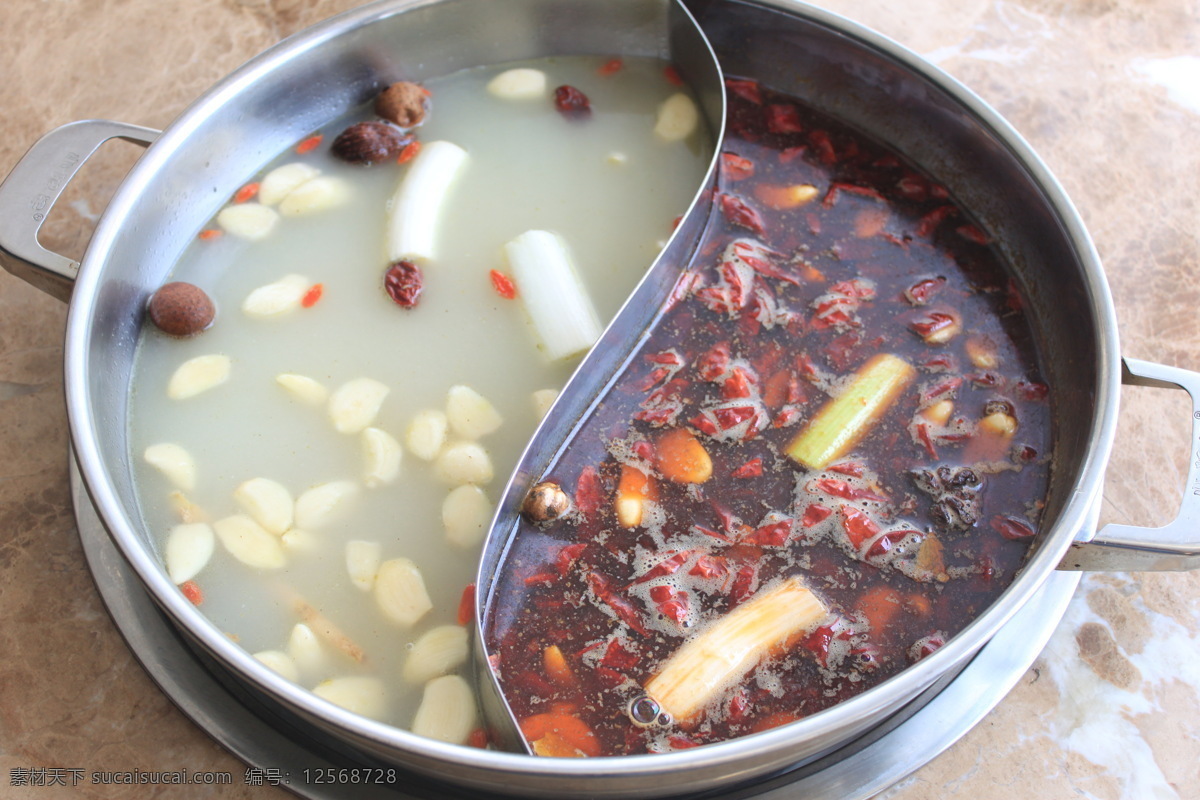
x: 404, y: 282
x: 571, y: 102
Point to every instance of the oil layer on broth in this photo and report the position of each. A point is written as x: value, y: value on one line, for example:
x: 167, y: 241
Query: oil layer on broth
x: 827, y: 458
x: 319, y: 464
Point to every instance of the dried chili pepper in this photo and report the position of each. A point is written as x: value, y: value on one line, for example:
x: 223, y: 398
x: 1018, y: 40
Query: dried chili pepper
x: 208, y: 234
x: 404, y: 282
x: 735, y: 167
x: 1012, y: 528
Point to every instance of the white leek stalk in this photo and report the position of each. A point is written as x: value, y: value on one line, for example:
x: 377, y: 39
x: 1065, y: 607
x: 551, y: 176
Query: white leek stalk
x: 556, y: 300
x: 416, y: 206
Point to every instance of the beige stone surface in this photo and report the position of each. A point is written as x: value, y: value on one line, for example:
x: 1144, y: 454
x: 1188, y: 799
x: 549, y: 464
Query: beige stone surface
x: 1107, y: 92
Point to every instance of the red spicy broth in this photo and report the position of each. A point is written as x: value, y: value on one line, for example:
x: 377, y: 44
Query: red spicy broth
x: 690, y: 502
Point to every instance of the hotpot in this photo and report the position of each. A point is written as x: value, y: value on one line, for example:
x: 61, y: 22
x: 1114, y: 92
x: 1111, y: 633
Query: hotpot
x: 836, y: 65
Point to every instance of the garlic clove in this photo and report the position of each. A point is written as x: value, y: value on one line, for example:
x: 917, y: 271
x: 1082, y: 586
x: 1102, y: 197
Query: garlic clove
x: 306, y: 651
x: 435, y: 653
x: 249, y: 542
x: 360, y: 694
x: 297, y: 540
x: 447, y: 711
x: 382, y: 453
x: 362, y: 562
x: 323, y: 504
x: 518, y: 84
x: 281, y: 663
x: 174, y: 462
x: 400, y: 591
x: 464, y: 462
x: 250, y: 221
x: 305, y: 389
x: 318, y: 194
x: 677, y: 118
x: 470, y: 414
x: 426, y: 433
x: 188, y: 549
x: 354, y: 405
x: 268, y: 503
x: 198, y: 375
x: 279, y: 182
x: 276, y: 299
x: 542, y: 400
x: 466, y: 512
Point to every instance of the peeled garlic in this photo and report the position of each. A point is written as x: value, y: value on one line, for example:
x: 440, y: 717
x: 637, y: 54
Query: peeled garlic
x: 426, y: 434
x: 281, y: 663
x: 470, y: 414
x: 198, y: 375
x: 189, y: 547
x: 276, y: 298
x: 318, y: 194
x: 268, y: 502
x: 321, y: 504
x: 362, y: 562
x: 357, y: 693
x: 299, y: 541
x: 279, y: 182
x: 677, y: 118
x: 542, y: 400
x: 249, y: 542
x: 400, y: 591
x: 465, y: 462
x: 466, y: 512
x: 306, y: 650
x: 518, y: 84
x: 447, y: 711
x: 382, y: 453
x: 303, y: 388
x: 355, y: 403
x: 251, y: 221
x: 435, y: 653
x: 174, y: 462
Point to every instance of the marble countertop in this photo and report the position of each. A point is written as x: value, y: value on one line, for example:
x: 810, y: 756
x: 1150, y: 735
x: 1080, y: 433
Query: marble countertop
x: 1106, y: 91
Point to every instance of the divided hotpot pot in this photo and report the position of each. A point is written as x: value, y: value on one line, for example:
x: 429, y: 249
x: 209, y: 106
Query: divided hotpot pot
x: 837, y: 66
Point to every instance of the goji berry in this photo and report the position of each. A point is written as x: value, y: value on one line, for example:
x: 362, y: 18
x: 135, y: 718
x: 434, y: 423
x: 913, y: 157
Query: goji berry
x: 503, y: 284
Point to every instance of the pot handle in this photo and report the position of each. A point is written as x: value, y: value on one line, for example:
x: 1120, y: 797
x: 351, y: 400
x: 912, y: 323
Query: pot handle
x: 1175, y: 546
x: 34, y: 186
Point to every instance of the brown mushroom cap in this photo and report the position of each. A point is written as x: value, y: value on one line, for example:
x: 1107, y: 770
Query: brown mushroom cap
x: 181, y: 309
x: 403, y: 103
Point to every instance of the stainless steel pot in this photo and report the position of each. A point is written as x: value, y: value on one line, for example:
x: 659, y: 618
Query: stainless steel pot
x: 840, y: 67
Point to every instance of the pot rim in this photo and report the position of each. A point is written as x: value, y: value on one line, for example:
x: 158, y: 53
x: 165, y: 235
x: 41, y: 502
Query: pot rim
x: 146, y: 564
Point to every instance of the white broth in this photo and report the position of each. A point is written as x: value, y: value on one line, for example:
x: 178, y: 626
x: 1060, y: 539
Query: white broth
x: 241, y: 443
